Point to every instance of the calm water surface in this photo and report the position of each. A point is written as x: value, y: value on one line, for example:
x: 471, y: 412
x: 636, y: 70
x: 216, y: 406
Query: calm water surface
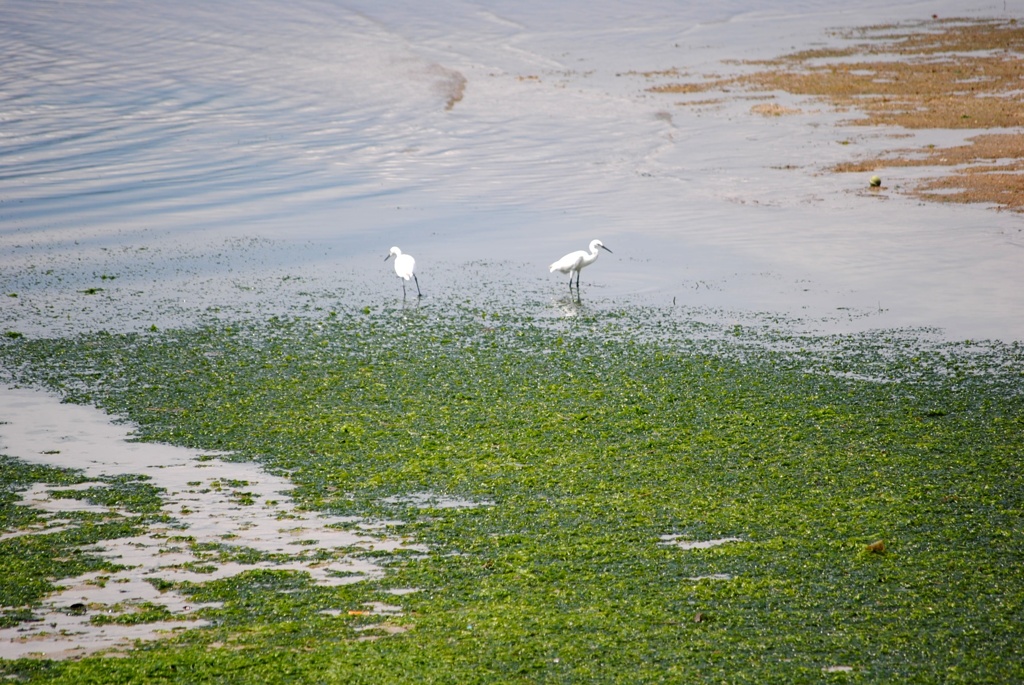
x: 193, y: 153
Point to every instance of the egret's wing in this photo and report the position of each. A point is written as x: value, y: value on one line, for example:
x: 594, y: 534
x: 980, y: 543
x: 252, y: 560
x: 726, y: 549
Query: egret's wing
x: 404, y: 266
x: 568, y: 262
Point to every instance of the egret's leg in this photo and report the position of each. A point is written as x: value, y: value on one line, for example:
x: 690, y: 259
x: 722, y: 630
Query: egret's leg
x: 418, y: 293
x: 403, y: 288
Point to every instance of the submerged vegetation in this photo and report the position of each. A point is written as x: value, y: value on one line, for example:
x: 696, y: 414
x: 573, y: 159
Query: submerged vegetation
x: 867, y: 491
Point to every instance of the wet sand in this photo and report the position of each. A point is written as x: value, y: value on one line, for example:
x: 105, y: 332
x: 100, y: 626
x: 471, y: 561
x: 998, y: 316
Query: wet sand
x: 942, y: 73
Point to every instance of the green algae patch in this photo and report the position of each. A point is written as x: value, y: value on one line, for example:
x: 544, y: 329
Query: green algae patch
x: 131, y: 493
x: 34, y: 553
x: 621, y: 497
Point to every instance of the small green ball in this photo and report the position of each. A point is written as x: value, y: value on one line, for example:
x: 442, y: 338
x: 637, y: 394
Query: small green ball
x: 875, y: 181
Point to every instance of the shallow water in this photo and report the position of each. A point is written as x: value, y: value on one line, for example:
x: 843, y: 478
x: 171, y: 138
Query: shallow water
x: 210, y: 500
x: 153, y: 145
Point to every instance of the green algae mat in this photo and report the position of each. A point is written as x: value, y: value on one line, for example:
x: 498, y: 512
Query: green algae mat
x: 620, y: 497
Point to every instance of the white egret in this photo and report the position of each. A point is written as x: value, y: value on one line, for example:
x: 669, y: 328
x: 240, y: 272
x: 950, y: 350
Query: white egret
x: 404, y: 265
x: 575, y: 261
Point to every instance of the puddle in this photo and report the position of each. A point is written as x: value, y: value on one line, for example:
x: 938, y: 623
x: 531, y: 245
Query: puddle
x: 433, y: 500
x: 712, y: 576
x: 682, y: 543
x: 211, y: 501
x: 374, y: 631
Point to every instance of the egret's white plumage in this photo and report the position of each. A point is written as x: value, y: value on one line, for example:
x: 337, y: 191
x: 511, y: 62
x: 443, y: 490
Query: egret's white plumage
x: 404, y: 267
x: 575, y: 261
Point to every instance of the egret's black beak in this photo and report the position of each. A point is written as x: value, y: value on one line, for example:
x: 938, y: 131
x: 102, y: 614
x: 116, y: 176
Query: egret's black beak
x: 606, y: 249
x: 387, y: 257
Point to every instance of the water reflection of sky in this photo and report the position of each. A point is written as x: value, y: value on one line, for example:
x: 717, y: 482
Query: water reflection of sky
x: 221, y: 503
x: 163, y: 144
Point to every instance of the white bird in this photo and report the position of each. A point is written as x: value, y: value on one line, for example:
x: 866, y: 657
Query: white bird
x: 575, y: 261
x: 404, y: 265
